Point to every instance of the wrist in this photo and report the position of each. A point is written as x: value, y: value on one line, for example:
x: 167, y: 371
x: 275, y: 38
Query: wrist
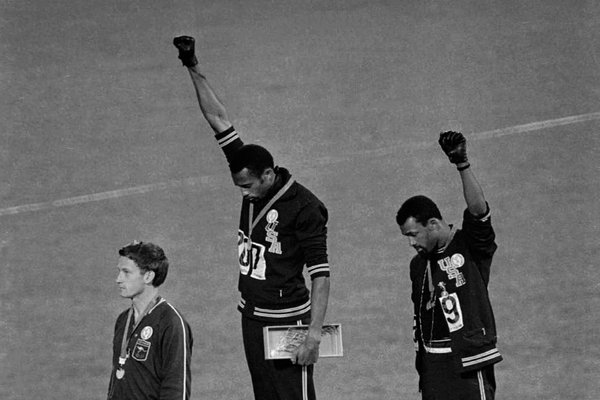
x: 314, y: 334
x: 189, y: 60
x: 462, y: 166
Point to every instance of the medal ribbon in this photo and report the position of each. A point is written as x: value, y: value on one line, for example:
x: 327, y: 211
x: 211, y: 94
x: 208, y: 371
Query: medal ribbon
x: 252, y: 222
x: 126, y: 338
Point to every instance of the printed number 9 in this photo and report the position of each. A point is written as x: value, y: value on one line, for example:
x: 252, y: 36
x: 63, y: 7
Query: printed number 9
x: 449, y: 305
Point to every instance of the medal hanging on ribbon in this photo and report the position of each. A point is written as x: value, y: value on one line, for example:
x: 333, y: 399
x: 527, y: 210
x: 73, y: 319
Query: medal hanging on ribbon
x: 120, y: 373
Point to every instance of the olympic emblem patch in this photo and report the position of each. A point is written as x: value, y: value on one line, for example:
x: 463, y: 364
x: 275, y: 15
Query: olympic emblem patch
x: 457, y: 260
x: 272, y: 216
x: 146, y: 333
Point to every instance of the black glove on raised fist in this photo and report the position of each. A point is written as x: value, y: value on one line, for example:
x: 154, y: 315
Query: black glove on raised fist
x: 185, y: 45
x: 454, y: 145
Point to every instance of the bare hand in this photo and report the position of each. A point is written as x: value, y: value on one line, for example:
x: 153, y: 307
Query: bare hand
x: 308, y: 352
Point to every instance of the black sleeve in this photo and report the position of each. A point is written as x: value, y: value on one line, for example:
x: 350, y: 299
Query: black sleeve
x: 416, y: 269
x: 480, y: 236
x: 176, y: 351
x: 311, y: 231
x: 230, y: 142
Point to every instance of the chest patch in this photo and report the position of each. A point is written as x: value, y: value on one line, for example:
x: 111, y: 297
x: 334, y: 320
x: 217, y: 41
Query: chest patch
x: 146, y: 333
x: 450, y: 266
x: 272, y: 234
x: 141, y: 350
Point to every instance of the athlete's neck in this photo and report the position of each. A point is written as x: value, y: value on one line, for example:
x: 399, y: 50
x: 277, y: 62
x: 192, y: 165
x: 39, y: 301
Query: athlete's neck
x: 277, y: 184
x: 143, y: 300
x: 445, y: 237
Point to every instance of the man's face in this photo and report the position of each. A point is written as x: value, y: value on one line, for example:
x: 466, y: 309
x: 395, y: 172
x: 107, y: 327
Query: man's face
x: 131, y: 279
x: 421, y: 237
x: 254, y: 188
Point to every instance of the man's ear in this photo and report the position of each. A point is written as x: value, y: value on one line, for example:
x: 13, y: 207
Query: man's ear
x: 433, y: 224
x: 149, y: 277
x: 268, y: 175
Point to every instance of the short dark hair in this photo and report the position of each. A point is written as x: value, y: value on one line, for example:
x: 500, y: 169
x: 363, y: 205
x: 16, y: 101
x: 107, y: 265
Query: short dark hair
x: 421, y: 208
x: 148, y: 257
x: 252, y: 156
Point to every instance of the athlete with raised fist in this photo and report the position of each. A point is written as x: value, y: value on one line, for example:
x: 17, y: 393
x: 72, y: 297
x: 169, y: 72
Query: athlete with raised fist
x: 454, y: 328
x: 282, y: 229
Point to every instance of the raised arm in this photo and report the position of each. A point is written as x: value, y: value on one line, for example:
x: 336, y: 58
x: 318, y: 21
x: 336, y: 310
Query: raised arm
x: 454, y: 145
x: 211, y: 106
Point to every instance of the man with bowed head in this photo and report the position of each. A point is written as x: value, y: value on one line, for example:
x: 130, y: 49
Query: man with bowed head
x: 282, y: 229
x: 454, y: 328
x: 152, y: 345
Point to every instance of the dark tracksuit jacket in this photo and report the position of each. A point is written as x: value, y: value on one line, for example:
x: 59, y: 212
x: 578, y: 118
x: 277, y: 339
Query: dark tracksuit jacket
x: 290, y: 234
x: 450, y: 296
x: 159, y: 354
